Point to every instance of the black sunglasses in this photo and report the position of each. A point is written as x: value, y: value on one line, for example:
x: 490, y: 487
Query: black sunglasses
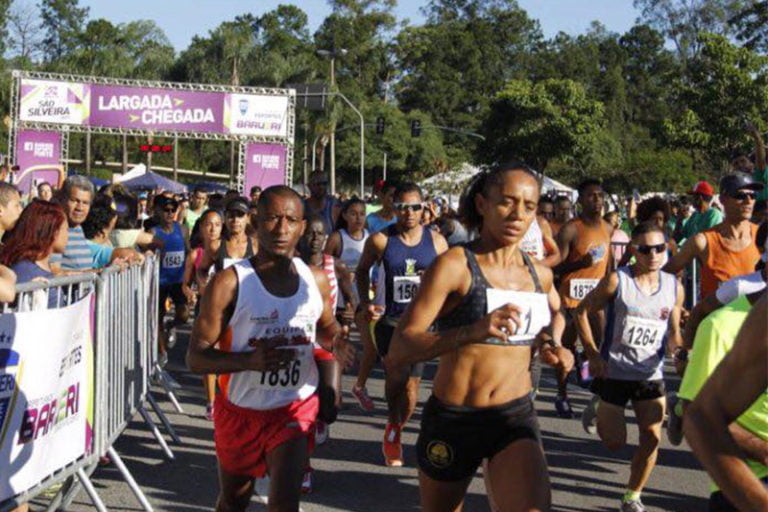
x: 743, y: 196
x: 647, y: 249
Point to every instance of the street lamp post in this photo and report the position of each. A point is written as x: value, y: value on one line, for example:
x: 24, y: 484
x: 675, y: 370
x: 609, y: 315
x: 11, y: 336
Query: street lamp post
x: 332, y: 54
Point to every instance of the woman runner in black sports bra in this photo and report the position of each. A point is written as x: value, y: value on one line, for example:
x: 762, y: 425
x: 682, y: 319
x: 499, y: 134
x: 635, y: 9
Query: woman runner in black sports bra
x: 490, y: 304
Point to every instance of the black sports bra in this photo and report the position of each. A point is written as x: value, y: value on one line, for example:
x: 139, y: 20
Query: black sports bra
x: 474, y: 305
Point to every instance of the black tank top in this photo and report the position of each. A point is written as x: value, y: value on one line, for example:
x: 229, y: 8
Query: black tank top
x: 224, y: 255
x: 474, y: 305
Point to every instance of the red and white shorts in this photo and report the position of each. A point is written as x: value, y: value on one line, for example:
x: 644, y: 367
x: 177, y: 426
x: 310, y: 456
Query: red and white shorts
x: 243, y: 437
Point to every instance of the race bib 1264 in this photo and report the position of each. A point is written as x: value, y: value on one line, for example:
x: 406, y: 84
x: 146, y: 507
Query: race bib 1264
x: 580, y: 288
x: 405, y: 288
x: 643, y: 334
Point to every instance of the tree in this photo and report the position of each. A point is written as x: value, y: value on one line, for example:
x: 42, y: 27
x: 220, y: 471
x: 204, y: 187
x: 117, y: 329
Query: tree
x: 751, y: 26
x: 726, y: 85
x: 537, y: 122
x: 63, y: 22
x: 682, y: 21
x: 25, y: 35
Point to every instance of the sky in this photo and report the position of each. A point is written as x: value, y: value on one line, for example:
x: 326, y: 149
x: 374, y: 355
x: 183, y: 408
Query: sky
x: 182, y: 19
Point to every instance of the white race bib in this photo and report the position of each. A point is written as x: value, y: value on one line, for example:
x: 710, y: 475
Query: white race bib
x: 173, y: 259
x: 535, y: 314
x: 292, y: 377
x: 643, y: 334
x: 405, y: 288
x: 580, y: 288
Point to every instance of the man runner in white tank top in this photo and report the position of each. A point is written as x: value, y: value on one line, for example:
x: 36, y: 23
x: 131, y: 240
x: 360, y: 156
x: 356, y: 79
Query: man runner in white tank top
x: 259, y: 323
x: 643, y: 312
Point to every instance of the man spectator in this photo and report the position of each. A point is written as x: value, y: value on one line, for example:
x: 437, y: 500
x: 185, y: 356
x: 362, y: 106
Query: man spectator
x: 10, y: 207
x: 320, y: 203
x: 728, y: 249
x: 704, y: 216
x: 547, y: 208
x: 563, y: 213
x: 197, y: 204
x: 76, y: 197
x: 255, y: 194
x: 682, y: 217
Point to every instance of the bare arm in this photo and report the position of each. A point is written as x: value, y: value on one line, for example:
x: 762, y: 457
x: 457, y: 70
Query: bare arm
x: 7, y: 284
x: 551, y: 249
x: 692, y: 249
x: 189, y: 276
x: 595, y: 301
x: 372, y: 253
x: 210, y: 325
x: 439, y: 241
x: 723, y: 399
x: 673, y: 333
x: 567, y: 235
x: 345, y: 283
x: 759, y: 147
x: 328, y: 329
x: 333, y: 245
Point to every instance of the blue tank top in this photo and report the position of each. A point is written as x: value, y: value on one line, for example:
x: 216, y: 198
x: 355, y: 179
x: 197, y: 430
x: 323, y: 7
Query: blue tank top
x: 403, y: 266
x: 172, y: 255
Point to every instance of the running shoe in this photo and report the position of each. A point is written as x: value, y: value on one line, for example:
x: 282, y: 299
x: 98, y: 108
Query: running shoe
x: 361, y: 394
x: 589, y: 416
x: 563, y: 407
x: 392, y: 448
x: 306, y: 482
x: 322, y: 431
x: 209, y: 412
x: 632, y: 506
x: 674, y: 422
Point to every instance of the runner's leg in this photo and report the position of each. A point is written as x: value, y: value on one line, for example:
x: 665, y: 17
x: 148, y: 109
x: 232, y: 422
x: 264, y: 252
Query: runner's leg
x: 611, y: 425
x: 437, y: 496
x: 519, y: 478
x: 650, y: 415
x: 286, y: 465
x: 235, y: 492
x: 368, y: 359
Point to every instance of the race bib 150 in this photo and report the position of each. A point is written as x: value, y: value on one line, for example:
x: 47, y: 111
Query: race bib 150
x: 405, y: 288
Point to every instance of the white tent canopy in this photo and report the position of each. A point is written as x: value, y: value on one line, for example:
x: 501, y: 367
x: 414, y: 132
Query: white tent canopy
x: 135, y: 172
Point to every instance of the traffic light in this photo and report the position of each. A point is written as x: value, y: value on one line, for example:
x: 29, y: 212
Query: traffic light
x: 380, y: 125
x: 416, y: 128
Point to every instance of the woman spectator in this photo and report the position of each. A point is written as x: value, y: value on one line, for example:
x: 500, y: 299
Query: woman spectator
x: 97, y: 227
x: 44, y: 191
x: 41, y: 231
x: 198, y: 269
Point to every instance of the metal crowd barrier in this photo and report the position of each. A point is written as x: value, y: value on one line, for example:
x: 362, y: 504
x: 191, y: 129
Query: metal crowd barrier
x: 125, y: 364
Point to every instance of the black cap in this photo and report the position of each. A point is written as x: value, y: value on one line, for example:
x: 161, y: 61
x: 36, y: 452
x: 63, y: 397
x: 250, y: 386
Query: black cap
x: 732, y: 183
x: 163, y: 201
x: 238, y: 204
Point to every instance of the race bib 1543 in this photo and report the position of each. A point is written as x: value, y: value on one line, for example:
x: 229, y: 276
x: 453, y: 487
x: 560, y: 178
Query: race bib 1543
x: 173, y: 259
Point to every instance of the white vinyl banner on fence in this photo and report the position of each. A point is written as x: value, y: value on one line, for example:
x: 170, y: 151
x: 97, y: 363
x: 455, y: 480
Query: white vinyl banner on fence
x: 46, y: 393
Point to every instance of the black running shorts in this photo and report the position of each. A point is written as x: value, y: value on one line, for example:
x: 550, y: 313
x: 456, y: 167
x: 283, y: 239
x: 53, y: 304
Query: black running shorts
x: 454, y: 440
x: 382, y: 334
x: 619, y: 392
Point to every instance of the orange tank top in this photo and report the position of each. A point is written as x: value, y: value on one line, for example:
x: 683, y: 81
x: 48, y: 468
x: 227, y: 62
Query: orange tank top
x: 589, y: 239
x: 722, y: 264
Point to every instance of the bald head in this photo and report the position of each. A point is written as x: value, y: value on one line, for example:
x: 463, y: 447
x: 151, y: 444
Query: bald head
x: 270, y: 193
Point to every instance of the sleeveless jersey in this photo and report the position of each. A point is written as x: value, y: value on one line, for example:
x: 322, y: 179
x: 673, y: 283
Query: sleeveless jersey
x: 722, y: 264
x: 577, y: 284
x: 224, y: 261
x: 481, y: 299
x: 351, y: 249
x: 260, y: 316
x: 173, y: 254
x: 533, y: 241
x: 403, y: 266
x: 636, y: 330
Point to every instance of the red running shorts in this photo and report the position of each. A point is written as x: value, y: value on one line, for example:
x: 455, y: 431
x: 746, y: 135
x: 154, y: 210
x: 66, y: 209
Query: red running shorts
x: 243, y: 437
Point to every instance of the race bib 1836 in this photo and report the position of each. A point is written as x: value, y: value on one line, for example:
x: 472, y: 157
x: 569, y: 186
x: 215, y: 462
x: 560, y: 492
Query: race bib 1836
x: 580, y: 288
x: 405, y: 288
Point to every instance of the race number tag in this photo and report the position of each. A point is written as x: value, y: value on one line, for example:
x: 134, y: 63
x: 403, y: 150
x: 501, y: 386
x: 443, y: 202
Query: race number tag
x: 643, y: 334
x: 580, y: 288
x: 173, y: 259
x: 534, y: 312
x: 292, y: 377
x: 405, y: 288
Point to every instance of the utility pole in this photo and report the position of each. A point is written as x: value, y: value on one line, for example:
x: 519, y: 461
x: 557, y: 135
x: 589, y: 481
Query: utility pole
x: 332, y: 54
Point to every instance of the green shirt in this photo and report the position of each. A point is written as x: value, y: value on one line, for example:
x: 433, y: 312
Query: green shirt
x: 714, y: 339
x: 762, y: 177
x: 192, y: 217
x: 699, y: 222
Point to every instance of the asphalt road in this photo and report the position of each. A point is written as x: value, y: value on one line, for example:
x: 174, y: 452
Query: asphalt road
x: 349, y: 471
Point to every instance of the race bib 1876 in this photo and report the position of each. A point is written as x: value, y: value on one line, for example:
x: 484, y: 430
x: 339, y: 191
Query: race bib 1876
x: 580, y: 288
x: 643, y: 334
x: 405, y: 288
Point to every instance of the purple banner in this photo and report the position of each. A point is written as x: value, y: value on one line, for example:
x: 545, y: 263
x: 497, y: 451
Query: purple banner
x: 38, y: 155
x: 156, y: 109
x: 265, y: 165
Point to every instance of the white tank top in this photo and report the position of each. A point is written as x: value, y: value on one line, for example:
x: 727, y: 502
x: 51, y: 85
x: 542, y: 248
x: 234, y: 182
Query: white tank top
x: 259, y: 316
x: 533, y: 241
x: 351, y: 249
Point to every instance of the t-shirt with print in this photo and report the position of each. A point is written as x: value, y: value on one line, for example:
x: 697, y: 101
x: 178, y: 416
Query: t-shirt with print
x: 714, y: 339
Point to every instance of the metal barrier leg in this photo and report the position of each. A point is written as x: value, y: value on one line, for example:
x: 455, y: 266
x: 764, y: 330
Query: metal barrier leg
x: 168, y: 390
x: 163, y: 418
x: 156, y: 432
x: 129, y: 479
x: 91, y: 490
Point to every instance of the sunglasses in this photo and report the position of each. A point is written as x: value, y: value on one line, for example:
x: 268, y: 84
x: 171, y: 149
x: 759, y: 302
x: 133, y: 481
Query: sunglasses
x: 415, y: 207
x: 648, y: 249
x: 743, y: 196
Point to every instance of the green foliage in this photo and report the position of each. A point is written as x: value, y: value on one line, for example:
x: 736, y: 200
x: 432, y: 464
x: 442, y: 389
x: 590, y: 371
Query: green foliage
x: 63, y: 22
x: 537, y: 122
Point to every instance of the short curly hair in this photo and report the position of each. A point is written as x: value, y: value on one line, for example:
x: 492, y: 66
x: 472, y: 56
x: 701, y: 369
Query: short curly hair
x: 652, y: 205
x: 100, y: 215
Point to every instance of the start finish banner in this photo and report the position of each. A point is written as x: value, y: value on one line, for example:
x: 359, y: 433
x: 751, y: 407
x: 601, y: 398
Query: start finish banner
x: 153, y: 108
x: 264, y: 165
x: 46, y: 393
x: 38, y: 155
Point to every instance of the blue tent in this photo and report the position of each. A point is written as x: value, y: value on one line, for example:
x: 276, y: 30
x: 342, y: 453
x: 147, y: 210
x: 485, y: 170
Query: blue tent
x: 151, y: 181
x: 97, y: 182
x: 211, y: 186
